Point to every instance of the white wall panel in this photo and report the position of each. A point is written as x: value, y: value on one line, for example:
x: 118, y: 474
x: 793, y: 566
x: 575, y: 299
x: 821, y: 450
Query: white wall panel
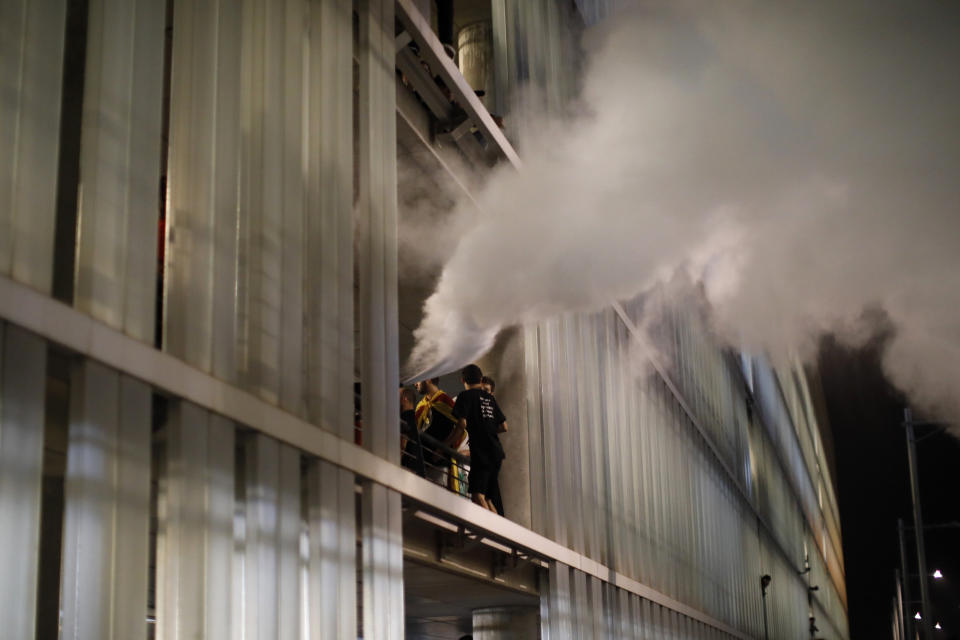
x: 23, y: 359
x: 561, y: 602
x: 329, y: 224
x: 31, y: 69
x: 332, y: 573
x: 382, y: 563
x: 657, y: 491
x: 272, y: 199
x: 196, y: 528
x: 581, y: 606
x: 120, y: 164
x: 271, y: 577
x: 203, y: 183
x: 107, y: 506
x: 259, y: 273
x: 377, y: 228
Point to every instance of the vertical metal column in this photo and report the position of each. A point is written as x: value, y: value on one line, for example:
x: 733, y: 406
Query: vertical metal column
x: 195, y: 543
x: 382, y: 543
x: 31, y: 70
x: 120, y: 164
x: 901, y: 610
x: 332, y: 571
x: 329, y: 347
x: 377, y: 229
x: 107, y: 507
x: 23, y: 358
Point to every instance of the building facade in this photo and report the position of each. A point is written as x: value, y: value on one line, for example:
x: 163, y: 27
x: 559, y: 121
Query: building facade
x: 200, y: 204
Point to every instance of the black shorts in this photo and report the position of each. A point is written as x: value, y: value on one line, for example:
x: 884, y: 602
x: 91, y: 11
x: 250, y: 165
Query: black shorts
x: 483, y: 477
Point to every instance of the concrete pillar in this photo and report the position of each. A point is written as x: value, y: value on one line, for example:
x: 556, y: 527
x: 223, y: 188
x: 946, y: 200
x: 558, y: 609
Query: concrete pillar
x: 505, y: 364
x: 506, y: 623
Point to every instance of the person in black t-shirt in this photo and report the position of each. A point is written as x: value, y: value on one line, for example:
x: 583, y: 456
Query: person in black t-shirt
x: 493, y: 491
x: 478, y: 413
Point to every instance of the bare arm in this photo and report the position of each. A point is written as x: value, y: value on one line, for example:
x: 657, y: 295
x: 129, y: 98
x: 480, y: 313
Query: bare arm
x: 457, y: 433
x: 502, y: 427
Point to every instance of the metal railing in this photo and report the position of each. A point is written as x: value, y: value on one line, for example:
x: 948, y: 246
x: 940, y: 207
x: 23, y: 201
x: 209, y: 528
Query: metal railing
x: 433, y: 460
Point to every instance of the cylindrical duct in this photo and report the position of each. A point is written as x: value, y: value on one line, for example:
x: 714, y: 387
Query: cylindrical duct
x: 475, y: 53
x: 506, y: 623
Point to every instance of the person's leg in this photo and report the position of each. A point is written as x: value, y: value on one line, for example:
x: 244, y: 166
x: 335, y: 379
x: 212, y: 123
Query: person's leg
x: 479, y: 481
x: 493, y: 490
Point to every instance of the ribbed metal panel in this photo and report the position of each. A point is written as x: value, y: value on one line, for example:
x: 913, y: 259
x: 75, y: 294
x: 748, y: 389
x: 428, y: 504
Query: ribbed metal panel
x: 271, y: 568
x: 259, y: 274
x: 31, y: 70
x: 120, y: 164
x: 201, y: 305
x: 377, y: 227
x: 654, y: 484
x: 595, y: 609
x: 195, y: 546
x: 382, y: 562
x: 23, y: 359
x: 331, y: 600
x: 328, y: 244
x: 535, y: 43
x: 107, y: 512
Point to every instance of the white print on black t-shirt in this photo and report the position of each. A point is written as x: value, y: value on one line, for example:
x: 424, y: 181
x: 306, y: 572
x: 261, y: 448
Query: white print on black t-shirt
x: 486, y: 408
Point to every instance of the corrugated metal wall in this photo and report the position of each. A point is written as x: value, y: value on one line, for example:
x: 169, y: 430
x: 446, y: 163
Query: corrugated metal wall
x: 665, y: 480
x: 253, y: 539
x: 577, y: 605
x: 31, y: 67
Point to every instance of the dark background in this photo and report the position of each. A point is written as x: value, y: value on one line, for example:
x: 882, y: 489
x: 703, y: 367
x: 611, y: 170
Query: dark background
x: 866, y: 413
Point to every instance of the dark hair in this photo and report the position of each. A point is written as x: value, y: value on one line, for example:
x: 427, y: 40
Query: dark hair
x: 488, y: 380
x: 435, y: 381
x: 472, y: 374
x: 409, y: 394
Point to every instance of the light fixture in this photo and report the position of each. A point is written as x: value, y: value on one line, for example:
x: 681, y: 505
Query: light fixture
x: 917, y: 617
x: 937, y: 574
x: 938, y: 627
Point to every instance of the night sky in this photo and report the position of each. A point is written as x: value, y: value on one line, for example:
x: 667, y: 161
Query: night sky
x: 874, y: 490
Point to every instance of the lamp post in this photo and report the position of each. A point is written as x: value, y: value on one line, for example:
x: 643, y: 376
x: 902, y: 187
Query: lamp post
x: 917, y: 522
x: 898, y: 606
x: 904, y: 577
x: 764, y: 583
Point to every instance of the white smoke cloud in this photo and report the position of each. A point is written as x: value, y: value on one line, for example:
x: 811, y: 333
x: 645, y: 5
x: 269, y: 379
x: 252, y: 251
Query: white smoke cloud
x: 802, y: 159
